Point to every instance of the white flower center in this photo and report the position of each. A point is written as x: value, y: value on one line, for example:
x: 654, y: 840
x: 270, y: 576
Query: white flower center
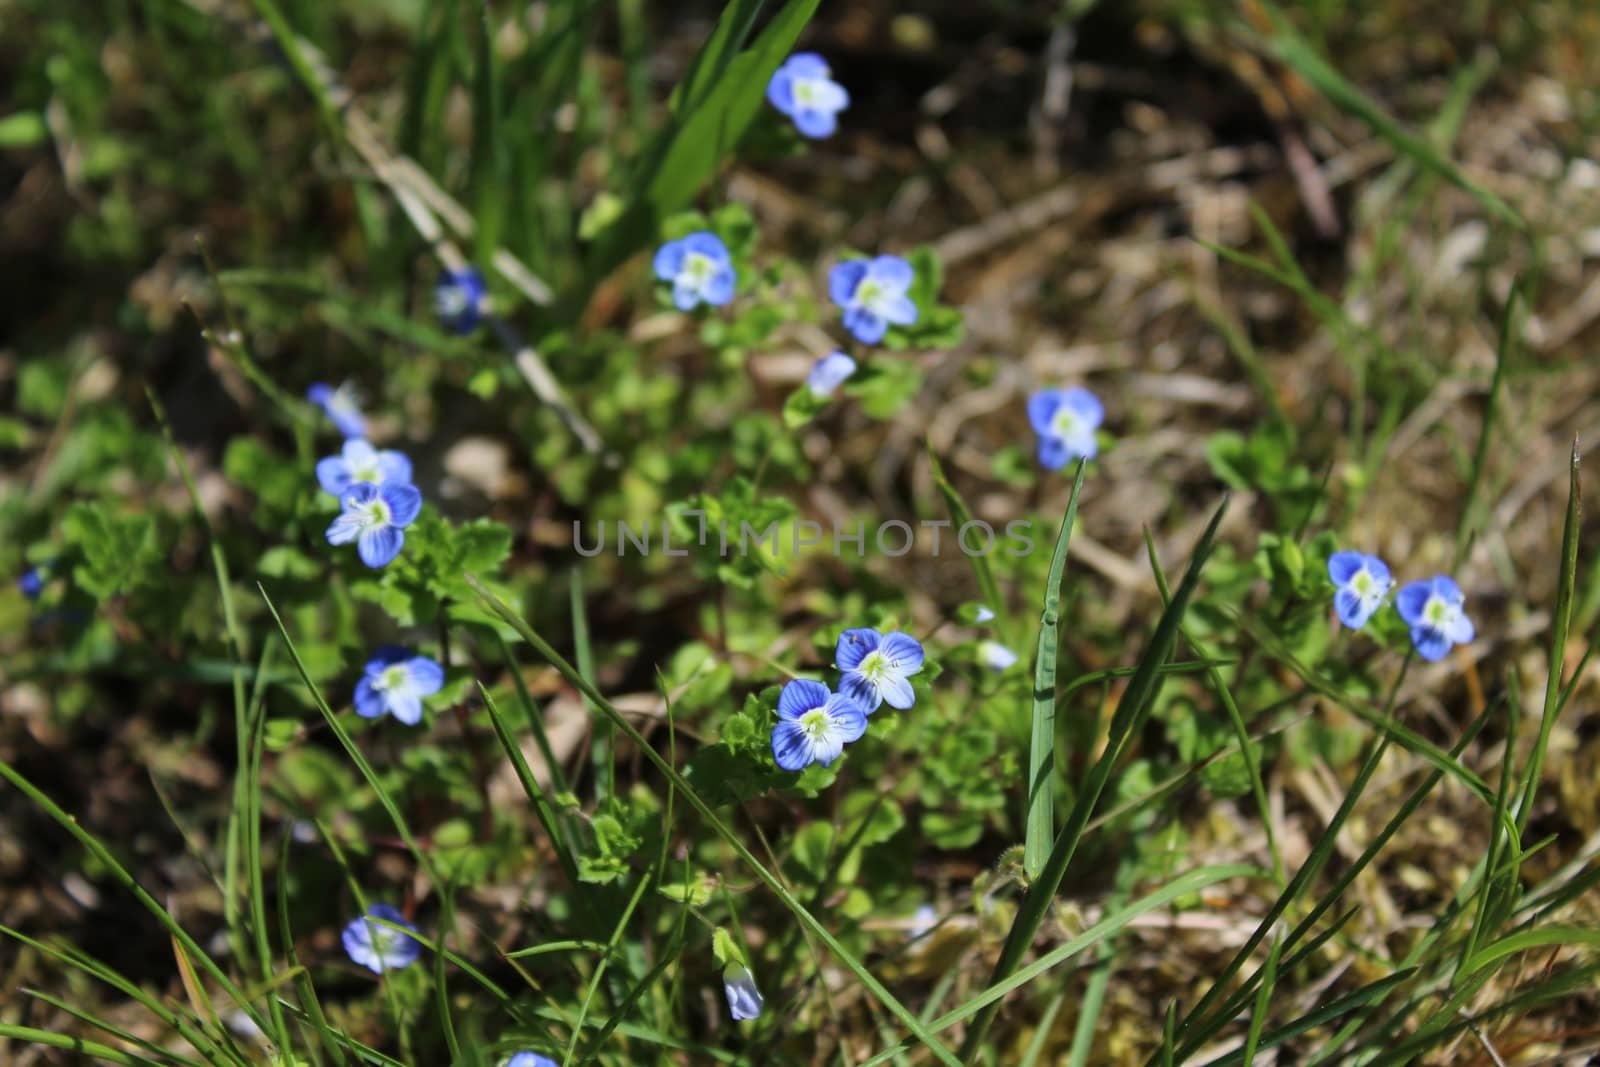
x: 697, y: 268
x: 392, y: 678
x: 807, y: 91
x: 366, y: 473
x: 875, y: 666
x: 375, y: 514
x: 1064, y: 423
x: 1439, y: 612
x: 1361, y: 583
x: 816, y: 724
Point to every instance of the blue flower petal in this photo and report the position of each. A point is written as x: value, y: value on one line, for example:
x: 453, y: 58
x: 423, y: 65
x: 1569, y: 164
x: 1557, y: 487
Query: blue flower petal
x: 1053, y: 453
x: 404, y: 501
x: 1445, y: 586
x: 719, y: 290
x: 333, y: 474
x: 815, y: 124
x: 708, y: 244
x: 791, y: 749
x: 904, y: 650
x: 867, y: 327
x: 844, y: 279
x: 853, y: 647
x: 368, y: 701
x: 669, y: 260
x: 427, y: 676
x: 900, y: 311
x: 1431, y: 644
x: 379, y: 546
x: 848, y: 717
x: 1085, y: 405
x: 864, y: 694
x: 897, y: 692
x: 1410, y: 601
x: 780, y: 90
x: 807, y: 65
x: 800, y: 696
x: 1461, y: 630
x: 1042, y: 408
x: 892, y: 273
x: 1343, y: 566
x: 406, y: 705
x: 1350, y: 608
x: 1379, y: 570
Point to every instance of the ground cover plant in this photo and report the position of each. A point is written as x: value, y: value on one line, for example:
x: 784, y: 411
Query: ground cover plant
x: 782, y: 533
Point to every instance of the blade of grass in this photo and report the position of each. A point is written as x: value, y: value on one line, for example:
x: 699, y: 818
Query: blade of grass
x: 1561, y: 625
x: 1190, y: 1031
x: 1335, y: 1008
x: 94, y: 1049
x: 692, y: 796
x: 1299, y: 56
x: 1241, y: 732
x: 310, y: 1006
x: 530, y: 785
x: 602, y: 748
x: 1041, y: 797
x: 1131, y: 711
x: 1258, y: 1017
x: 1466, y: 527
x: 960, y: 514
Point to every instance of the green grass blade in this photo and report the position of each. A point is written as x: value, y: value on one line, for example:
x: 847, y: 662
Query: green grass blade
x: 1241, y: 732
x: 93, y: 1049
x: 486, y: 167
x: 601, y: 748
x: 960, y: 514
x: 348, y: 743
x: 1561, y: 625
x: 530, y: 785
x: 1466, y: 528
x: 1339, y: 1006
x: 1041, y: 798
x: 1131, y: 710
x: 1258, y: 1018
x: 310, y: 1006
x: 847, y: 959
x: 1541, y: 937
x: 1300, y: 57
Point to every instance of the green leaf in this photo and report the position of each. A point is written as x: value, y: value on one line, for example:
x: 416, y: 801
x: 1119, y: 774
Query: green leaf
x: 112, y: 548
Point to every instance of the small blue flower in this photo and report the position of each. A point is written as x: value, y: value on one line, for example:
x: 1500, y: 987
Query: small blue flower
x: 804, y: 89
x: 340, y: 406
x: 814, y: 725
x: 1434, y: 611
x: 923, y: 921
x: 877, y: 668
x: 374, y: 517
x: 459, y: 299
x: 530, y: 1059
x: 984, y: 614
x: 1363, y: 581
x: 31, y: 582
x: 395, y: 682
x: 379, y: 948
x: 995, y: 656
x: 699, y: 268
x: 358, y: 461
x: 744, y: 999
x: 828, y: 373
x: 1065, y: 420
x: 872, y: 293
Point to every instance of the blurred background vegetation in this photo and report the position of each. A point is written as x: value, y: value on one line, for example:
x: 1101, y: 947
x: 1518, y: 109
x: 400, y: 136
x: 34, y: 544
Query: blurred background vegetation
x: 1280, y: 244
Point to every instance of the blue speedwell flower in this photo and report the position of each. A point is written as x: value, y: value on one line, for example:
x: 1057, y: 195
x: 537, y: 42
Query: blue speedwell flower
x: 744, y: 999
x: 1065, y: 420
x: 530, y: 1059
x: 1434, y: 609
x: 395, y: 682
x: 878, y: 667
x: 381, y: 948
x: 872, y: 293
x: 374, y: 517
x: 459, y: 298
x: 814, y: 725
x: 1363, y: 581
x: 358, y: 461
x: 340, y: 406
x: 699, y: 269
x: 31, y: 582
x: 995, y: 656
x: 828, y: 373
x: 804, y: 89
